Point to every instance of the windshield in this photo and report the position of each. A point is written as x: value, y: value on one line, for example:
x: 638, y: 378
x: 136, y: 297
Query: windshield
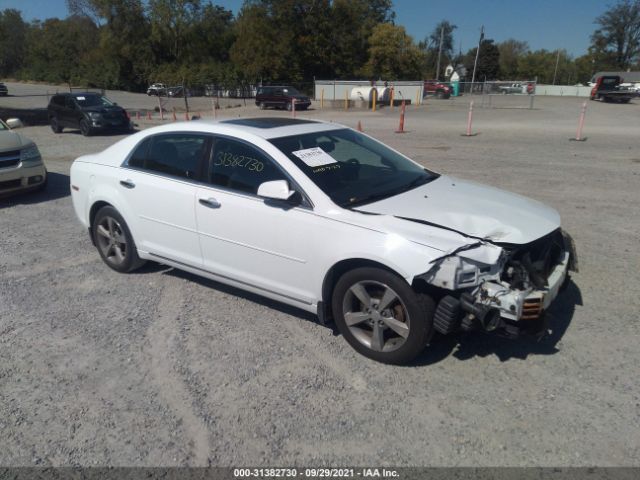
x: 351, y: 168
x: 92, y: 101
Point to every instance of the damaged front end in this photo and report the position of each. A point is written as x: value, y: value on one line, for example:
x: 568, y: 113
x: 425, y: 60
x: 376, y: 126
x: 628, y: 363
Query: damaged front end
x: 501, y: 288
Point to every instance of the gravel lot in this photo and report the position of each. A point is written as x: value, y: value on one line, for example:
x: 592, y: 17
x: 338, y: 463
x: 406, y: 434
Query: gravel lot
x: 162, y: 368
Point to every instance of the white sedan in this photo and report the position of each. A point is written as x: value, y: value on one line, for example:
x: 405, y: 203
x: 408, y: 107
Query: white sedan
x: 327, y: 219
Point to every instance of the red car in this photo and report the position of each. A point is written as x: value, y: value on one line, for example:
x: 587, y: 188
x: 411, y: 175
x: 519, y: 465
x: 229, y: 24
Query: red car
x: 438, y: 89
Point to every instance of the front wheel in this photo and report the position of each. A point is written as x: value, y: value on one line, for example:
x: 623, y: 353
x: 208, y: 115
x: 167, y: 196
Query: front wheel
x: 55, y: 125
x: 381, y: 316
x: 289, y: 106
x: 85, y: 128
x: 262, y: 105
x: 114, y: 241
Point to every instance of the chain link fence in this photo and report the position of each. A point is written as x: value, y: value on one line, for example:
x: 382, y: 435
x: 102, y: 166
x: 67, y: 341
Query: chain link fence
x: 500, y: 94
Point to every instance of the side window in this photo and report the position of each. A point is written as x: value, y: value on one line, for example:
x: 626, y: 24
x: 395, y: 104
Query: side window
x: 69, y: 103
x: 176, y: 154
x: 238, y: 166
x: 139, y: 155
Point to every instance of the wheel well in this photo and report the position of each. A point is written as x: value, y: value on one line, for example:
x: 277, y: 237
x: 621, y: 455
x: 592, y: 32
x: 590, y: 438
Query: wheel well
x: 339, y: 269
x: 95, y: 208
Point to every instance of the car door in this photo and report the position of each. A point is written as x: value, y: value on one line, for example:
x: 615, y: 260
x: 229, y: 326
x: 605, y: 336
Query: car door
x: 159, y: 183
x: 260, y: 243
x: 277, y: 98
x: 67, y: 113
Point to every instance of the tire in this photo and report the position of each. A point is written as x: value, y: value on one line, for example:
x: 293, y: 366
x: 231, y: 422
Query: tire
x: 85, y: 128
x: 289, y: 107
x: 114, y: 241
x: 262, y: 106
x: 440, y: 95
x: 394, y: 333
x: 55, y: 126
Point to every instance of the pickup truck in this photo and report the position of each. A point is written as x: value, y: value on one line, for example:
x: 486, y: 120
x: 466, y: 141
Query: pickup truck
x: 513, y: 88
x: 608, y: 89
x: 437, y: 89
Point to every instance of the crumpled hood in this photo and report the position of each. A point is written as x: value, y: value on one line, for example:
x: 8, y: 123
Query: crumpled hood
x: 12, y: 141
x: 472, y: 209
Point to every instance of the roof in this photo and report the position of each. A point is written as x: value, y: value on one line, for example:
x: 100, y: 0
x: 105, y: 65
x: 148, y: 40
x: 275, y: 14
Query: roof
x: 263, y: 127
x: 627, y: 77
x: 267, y: 122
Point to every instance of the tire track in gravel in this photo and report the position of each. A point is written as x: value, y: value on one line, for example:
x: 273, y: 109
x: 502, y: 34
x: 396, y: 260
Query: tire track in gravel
x: 162, y: 337
x: 44, y: 267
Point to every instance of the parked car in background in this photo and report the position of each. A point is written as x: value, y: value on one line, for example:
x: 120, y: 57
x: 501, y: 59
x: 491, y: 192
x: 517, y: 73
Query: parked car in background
x: 21, y: 166
x: 437, y: 89
x: 281, y: 97
x: 4, y: 91
x: 178, y: 91
x: 329, y: 220
x: 608, y: 88
x: 89, y: 112
x: 513, y: 88
x: 157, y: 89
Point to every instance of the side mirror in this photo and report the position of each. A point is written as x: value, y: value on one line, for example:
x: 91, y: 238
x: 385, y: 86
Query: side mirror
x: 14, y: 123
x: 276, y: 190
x: 115, y: 104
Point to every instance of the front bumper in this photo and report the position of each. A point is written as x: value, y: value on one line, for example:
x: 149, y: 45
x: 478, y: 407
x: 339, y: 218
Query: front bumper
x: 498, y: 308
x: 22, y: 177
x: 110, y: 124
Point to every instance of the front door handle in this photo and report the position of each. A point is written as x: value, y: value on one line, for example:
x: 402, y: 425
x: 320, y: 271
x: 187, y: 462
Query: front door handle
x: 127, y: 183
x: 209, y: 202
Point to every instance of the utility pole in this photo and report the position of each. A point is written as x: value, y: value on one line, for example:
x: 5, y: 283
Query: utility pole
x: 475, y: 63
x: 439, y: 54
x: 556, y: 70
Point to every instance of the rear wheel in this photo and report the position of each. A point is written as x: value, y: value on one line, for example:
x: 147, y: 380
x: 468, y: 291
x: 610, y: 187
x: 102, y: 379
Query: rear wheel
x: 114, y: 241
x: 381, y: 316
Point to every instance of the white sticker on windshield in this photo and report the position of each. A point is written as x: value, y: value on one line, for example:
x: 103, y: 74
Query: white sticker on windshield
x: 80, y: 98
x: 314, y: 157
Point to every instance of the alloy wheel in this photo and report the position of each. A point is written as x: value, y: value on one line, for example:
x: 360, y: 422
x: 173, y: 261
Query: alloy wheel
x: 376, y: 316
x: 111, y: 241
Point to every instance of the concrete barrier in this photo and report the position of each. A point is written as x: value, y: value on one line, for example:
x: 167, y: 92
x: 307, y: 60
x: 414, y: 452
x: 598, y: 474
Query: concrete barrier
x: 563, y: 90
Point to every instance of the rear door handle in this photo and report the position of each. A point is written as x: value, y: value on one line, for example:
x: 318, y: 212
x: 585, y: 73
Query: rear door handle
x: 210, y: 202
x: 127, y: 183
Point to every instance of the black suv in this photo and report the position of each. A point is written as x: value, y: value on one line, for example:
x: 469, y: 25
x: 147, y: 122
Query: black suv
x: 281, y: 97
x: 90, y: 112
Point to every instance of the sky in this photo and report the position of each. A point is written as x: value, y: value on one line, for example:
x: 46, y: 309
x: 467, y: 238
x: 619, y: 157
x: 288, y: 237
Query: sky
x: 549, y: 24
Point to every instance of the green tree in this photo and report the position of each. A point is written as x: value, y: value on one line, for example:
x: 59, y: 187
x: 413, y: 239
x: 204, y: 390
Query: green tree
x: 488, y: 66
x: 542, y: 64
x: 124, y: 33
x: 431, y: 48
x: 57, y: 48
x: 392, y: 54
x: 511, y: 51
x: 13, y: 39
x: 260, y: 51
x: 618, y: 37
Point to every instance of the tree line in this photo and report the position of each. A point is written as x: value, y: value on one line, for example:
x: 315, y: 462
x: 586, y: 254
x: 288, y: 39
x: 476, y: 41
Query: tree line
x: 129, y: 43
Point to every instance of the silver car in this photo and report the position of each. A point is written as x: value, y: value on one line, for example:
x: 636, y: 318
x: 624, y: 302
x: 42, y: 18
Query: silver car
x: 21, y: 166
